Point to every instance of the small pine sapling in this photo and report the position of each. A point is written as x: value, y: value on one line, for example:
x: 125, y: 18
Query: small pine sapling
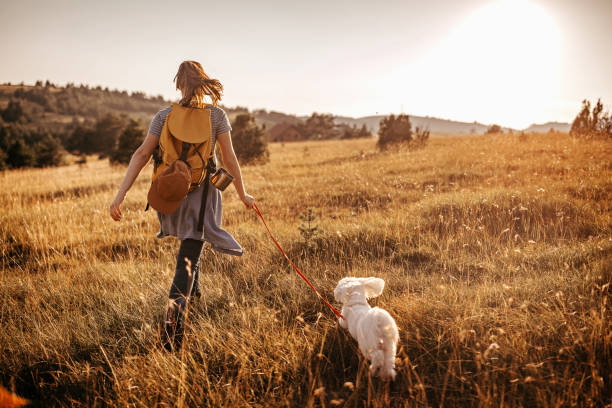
x: 309, y: 230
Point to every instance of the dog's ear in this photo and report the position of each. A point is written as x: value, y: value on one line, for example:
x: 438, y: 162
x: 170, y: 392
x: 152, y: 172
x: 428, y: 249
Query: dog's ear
x: 343, y: 289
x: 373, y: 287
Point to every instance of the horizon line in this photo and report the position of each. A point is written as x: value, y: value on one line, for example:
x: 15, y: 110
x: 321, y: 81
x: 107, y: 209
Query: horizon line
x: 251, y: 109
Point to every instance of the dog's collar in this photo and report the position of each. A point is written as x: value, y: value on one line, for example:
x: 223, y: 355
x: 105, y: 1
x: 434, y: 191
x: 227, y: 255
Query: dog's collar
x: 359, y: 301
x: 349, y: 304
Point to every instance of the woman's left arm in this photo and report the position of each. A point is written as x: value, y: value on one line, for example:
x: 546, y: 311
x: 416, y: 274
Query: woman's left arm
x: 233, y: 167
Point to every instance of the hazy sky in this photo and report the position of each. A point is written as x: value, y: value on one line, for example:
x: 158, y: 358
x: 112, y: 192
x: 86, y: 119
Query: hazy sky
x: 512, y: 62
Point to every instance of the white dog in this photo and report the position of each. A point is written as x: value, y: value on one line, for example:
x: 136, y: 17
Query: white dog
x: 373, y: 328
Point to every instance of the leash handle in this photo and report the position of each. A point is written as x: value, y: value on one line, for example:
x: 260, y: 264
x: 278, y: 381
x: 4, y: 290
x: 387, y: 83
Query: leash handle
x: 293, y: 265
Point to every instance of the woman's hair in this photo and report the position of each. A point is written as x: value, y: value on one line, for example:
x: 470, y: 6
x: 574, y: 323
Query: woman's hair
x: 195, y: 84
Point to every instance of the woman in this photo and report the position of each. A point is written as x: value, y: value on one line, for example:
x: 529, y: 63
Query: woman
x: 194, y: 85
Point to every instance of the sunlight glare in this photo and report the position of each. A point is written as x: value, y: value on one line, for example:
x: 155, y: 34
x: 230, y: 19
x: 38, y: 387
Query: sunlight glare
x: 502, y: 64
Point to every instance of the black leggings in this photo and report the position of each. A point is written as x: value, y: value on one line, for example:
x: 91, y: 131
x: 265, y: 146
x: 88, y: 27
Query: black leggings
x: 185, y: 279
x: 186, y: 272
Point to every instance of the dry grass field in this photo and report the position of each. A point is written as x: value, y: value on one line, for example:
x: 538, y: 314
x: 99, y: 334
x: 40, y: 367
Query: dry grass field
x: 496, y: 252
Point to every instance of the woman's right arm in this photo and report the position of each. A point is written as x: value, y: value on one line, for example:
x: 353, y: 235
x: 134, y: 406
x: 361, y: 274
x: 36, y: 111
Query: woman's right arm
x: 139, y: 159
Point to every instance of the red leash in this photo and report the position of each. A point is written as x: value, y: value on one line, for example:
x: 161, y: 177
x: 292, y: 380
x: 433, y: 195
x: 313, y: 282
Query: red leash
x: 295, y: 267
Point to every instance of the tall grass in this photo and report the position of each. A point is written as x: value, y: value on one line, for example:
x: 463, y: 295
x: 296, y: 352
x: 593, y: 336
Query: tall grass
x: 496, y: 251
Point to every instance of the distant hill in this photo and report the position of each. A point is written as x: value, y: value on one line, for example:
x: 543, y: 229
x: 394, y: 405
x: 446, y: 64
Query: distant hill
x: 59, y: 107
x: 435, y: 125
x: 272, y: 118
x: 39, y: 123
x: 545, y: 127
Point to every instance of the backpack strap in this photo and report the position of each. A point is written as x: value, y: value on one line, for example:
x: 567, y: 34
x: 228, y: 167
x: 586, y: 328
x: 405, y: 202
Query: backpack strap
x: 197, y: 150
x: 184, y: 152
x: 157, y: 160
x: 211, y: 167
x: 203, y: 204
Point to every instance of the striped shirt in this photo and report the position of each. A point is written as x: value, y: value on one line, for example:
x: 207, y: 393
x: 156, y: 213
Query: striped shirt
x: 218, y: 120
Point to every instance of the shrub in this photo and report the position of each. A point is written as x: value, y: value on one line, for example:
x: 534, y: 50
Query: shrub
x: 595, y: 123
x: 494, y: 129
x: 353, y: 132
x: 394, y: 130
x: 101, y: 138
x: 21, y: 147
x: 107, y: 131
x: 49, y: 151
x: 77, y: 141
x: 319, y: 126
x: 322, y: 126
x: 3, y: 157
x: 129, y: 140
x: 13, y: 112
x: 21, y: 154
x: 421, y: 136
x: 364, y: 132
x: 248, y: 140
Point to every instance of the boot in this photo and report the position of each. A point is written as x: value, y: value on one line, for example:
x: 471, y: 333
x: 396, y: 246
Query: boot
x: 173, y: 328
x: 195, y: 291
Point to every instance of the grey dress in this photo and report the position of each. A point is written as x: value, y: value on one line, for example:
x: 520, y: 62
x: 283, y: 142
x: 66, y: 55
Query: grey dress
x: 183, y: 222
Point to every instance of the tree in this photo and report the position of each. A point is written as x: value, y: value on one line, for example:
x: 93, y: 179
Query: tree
x: 13, y: 112
x: 17, y: 151
x: 320, y: 126
x: 106, y: 134
x: 101, y: 138
x: 595, y: 123
x: 364, y: 132
x: 21, y: 154
x: 394, y: 130
x: 78, y: 140
x: 352, y: 132
x: 3, y: 157
x: 49, y: 151
x: 494, y: 129
x: 248, y: 140
x: 129, y: 140
x: 22, y: 147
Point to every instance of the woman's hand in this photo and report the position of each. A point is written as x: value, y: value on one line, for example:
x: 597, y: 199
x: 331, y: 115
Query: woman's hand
x: 115, y: 211
x: 248, y: 200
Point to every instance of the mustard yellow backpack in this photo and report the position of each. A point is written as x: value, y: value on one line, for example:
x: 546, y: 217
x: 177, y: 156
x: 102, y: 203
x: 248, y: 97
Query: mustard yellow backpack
x: 186, y: 135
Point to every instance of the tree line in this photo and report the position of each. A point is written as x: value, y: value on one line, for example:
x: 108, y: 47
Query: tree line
x: 319, y: 126
x: 23, y: 147
x: 112, y: 136
x: 322, y: 126
x: 36, y: 130
x: 27, y: 141
x: 80, y: 100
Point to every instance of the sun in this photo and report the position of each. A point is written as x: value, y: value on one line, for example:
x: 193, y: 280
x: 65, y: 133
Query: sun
x: 515, y: 38
x: 500, y: 64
